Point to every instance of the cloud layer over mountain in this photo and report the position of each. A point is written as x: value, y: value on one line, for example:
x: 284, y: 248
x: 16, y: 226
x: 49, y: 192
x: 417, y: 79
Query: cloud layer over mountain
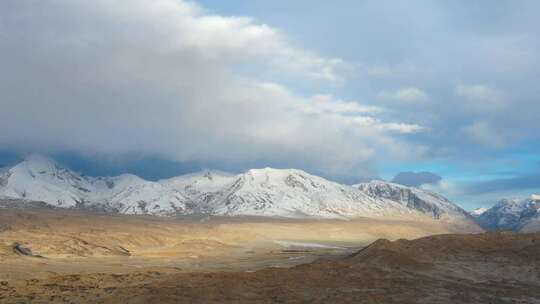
x: 168, y: 78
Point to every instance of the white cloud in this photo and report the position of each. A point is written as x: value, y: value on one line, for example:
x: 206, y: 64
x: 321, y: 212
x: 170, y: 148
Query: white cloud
x: 165, y: 78
x: 406, y: 95
x: 320, y: 104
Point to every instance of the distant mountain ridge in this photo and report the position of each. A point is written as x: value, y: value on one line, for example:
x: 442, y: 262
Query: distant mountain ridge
x: 413, y: 198
x: 512, y: 214
x: 270, y: 192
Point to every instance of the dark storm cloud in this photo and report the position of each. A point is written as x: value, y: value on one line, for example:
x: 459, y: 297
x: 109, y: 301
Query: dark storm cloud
x: 524, y: 182
x: 416, y: 179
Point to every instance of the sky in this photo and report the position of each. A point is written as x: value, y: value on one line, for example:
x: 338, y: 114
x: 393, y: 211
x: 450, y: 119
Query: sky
x: 349, y: 90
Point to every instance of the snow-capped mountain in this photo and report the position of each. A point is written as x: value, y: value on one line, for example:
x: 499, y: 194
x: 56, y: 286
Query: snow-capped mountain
x: 412, y: 199
x: 41, y: 179
x: 512, y: 214
x: 201, y: 188
x: 130, y: 194
x: 292, y: 193
x: 257, y: 192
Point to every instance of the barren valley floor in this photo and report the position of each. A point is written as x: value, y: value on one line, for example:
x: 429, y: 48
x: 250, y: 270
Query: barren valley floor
x: 67, y: 256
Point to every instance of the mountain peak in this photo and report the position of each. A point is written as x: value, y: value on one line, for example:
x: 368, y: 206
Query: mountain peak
x: 378, y: 185
x: 39, y: 159
x: 256, y: 192
x: 380, y: 182
x: 513, y: 214
x: 268, y: 171
x: 37, y: 163
x: 263, y: 170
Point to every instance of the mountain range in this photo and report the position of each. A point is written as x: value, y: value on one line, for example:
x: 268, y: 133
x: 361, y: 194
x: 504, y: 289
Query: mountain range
x: 268, y: 192
x: 521, y: 215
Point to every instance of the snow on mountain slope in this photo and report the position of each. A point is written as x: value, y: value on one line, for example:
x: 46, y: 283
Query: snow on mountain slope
x: 204, y: 181
x: 512, y: 214
x: 478, y: 211
x: 130, y: 194
x: 415, y: 199
x: 293, y: 193
x: 258, y: 192
x: 41, y: 179
x: 201, y: 188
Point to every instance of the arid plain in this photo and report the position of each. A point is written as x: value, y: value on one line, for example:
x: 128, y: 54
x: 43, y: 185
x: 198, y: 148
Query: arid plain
x: 94, y: 253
